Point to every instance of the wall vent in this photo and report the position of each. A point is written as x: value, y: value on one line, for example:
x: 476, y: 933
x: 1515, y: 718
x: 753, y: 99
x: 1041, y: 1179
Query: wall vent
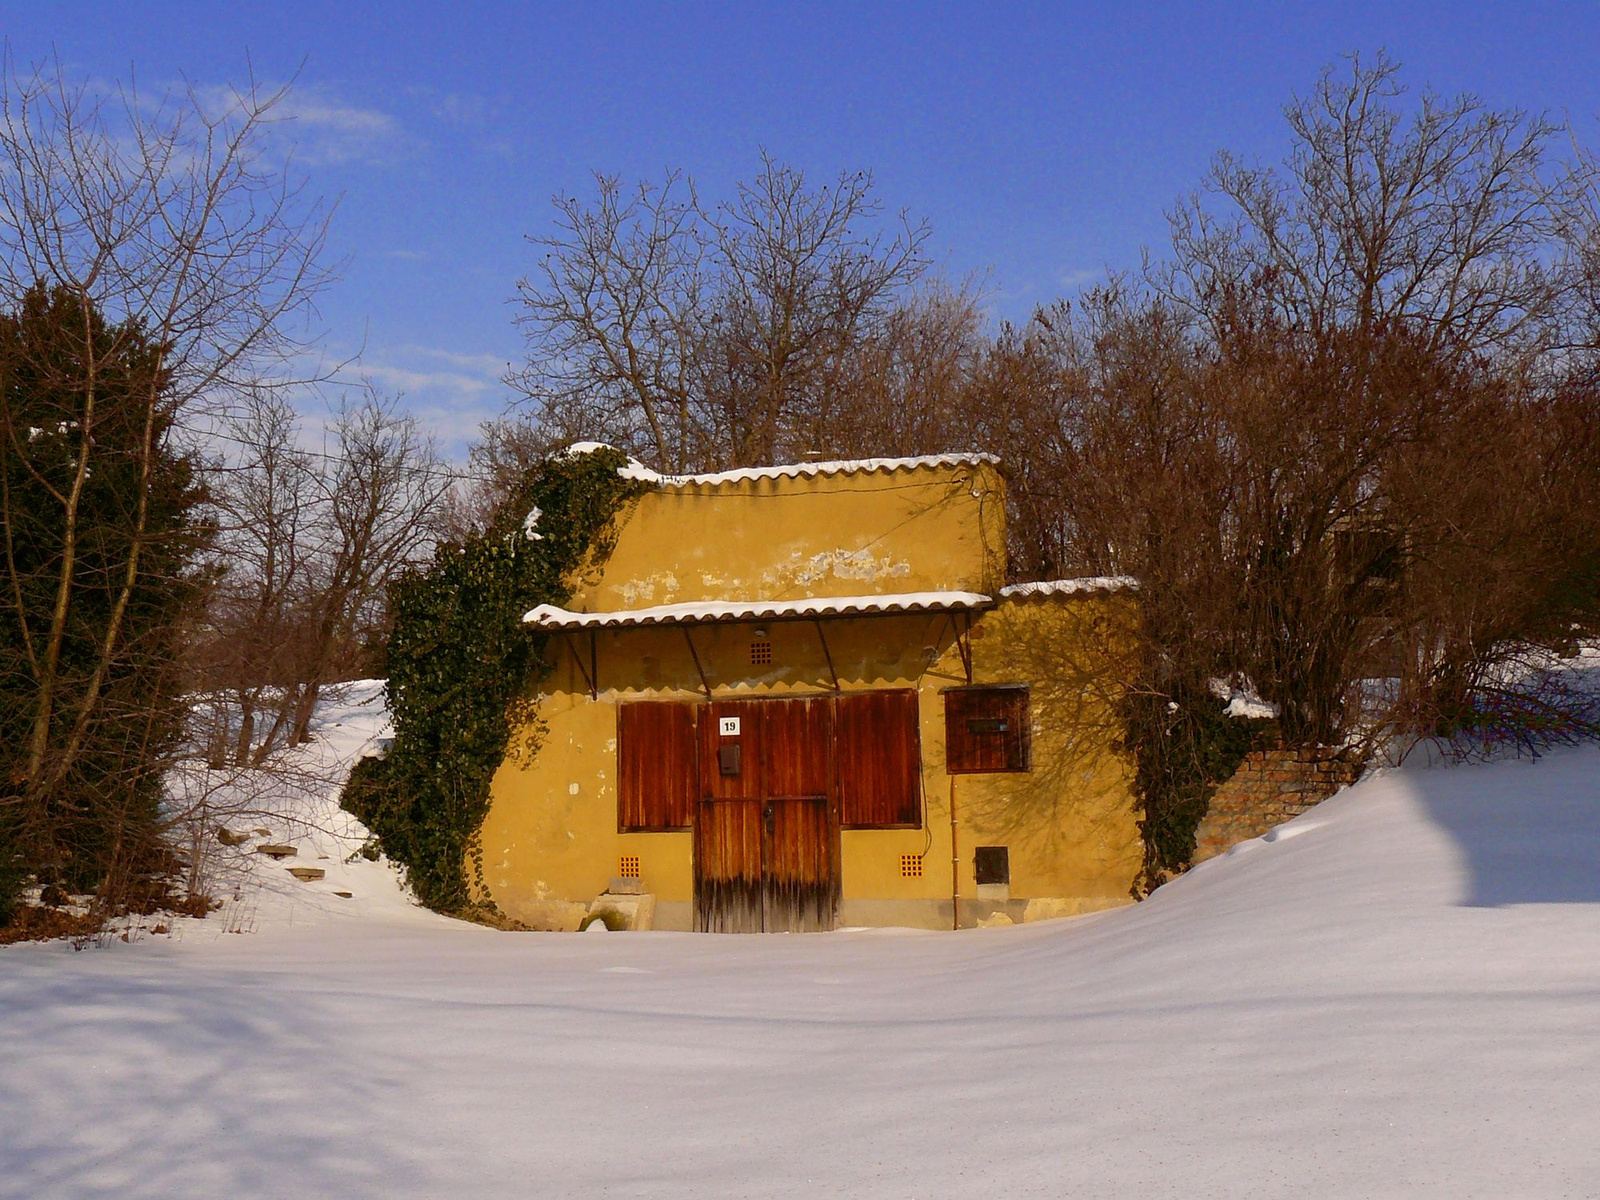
x: 628, y: 866
x: 911, y: 866
x: 761, y: 653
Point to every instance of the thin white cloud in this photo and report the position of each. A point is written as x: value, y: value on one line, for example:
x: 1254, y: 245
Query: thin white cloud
x: 475, y: 121
x: 322, y: 128
x: 311, y: 111
x: 464, y: 109
x: 458, y: 109
x: 404, y: 379
x: 493, y: 365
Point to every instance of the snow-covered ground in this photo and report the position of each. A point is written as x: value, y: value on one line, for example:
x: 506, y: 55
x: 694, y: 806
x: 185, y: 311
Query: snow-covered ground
x: 1396, y: 995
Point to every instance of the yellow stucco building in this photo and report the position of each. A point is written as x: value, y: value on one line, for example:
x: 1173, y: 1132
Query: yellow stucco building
x: 799, y: 697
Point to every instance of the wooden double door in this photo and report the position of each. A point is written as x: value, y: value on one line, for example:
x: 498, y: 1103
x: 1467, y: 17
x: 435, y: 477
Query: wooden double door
x: 766, y: 821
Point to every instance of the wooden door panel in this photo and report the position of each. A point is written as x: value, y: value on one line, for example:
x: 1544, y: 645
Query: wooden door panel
x: 727, y: 866
x: 766, y: 840
x: 799, y: 868
x: 799, y: 880
x: 796, y: 747
x: 747, y: 783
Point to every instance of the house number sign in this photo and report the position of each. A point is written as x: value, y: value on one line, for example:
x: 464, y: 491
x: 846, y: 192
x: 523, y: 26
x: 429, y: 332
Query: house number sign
x: 728, y: 726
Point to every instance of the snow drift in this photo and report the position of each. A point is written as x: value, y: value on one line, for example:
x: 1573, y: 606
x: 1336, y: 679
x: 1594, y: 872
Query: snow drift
x: 1394, y: 995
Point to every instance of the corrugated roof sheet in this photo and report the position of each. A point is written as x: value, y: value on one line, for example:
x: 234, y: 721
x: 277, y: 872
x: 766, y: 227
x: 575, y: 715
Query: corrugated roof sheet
x: 705, y: 612
x: 1069, y: 587
x: 843, y: 466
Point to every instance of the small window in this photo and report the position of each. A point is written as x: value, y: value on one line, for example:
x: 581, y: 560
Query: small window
x: 761, y: 653
x: 987, y: 730
x: 628, y: 866
x: 911, y: 866
x: 991, y: 864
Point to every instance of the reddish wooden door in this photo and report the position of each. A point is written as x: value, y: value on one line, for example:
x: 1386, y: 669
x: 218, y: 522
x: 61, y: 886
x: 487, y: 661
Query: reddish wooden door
x: 799, y: 861
x: 766, y: 826
x: 728, y: 822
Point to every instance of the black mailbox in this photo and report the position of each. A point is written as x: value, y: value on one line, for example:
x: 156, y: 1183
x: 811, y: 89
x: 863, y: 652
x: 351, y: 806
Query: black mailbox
x: 728, y: 758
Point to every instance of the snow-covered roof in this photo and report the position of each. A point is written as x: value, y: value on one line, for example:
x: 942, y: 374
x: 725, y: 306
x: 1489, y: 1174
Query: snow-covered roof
x: 1069, y: 587
x: 843, y: 466
x: 703, y: 612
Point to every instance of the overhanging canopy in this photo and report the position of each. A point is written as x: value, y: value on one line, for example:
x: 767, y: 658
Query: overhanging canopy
x: 710, y: 612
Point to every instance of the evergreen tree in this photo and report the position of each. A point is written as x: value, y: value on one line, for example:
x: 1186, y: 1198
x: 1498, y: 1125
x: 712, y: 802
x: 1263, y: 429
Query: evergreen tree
x: 99, y: 515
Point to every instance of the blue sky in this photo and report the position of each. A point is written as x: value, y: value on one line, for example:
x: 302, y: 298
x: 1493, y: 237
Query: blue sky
x: 1042, y: 142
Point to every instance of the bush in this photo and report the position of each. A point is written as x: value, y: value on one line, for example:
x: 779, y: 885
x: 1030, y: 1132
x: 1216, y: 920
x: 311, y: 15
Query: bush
x: 14, y: 876
x: 462, y: 666
x: 1184, y: 747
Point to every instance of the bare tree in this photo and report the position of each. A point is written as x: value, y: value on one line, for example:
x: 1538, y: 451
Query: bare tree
x: 901, y: 390
x: 695, y: 337
x: 1500, y: 564
x: 376, y: 507
x: 1396, y: 307
x: 803, y: 282
x: 504, y: 456
x: 264, y: 502
x: 615, y: 322
x: 1454, y: 218
x: 166, y: 227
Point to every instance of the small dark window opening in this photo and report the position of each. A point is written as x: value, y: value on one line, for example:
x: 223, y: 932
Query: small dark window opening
x: 761, y: 654
x: 987, y: 730
x: 991, y: 864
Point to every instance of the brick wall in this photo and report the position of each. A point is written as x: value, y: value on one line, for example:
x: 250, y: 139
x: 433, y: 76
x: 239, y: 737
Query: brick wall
x: 1269, y: 788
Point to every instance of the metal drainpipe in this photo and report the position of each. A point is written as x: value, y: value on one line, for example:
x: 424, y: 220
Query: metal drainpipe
x: 955, y: 863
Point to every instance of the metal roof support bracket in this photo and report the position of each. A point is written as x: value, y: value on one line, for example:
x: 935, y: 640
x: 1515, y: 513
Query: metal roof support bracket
x: 591, y: 673
x: 963, y: 636
x: 827, y: 654
x: 689, y: 641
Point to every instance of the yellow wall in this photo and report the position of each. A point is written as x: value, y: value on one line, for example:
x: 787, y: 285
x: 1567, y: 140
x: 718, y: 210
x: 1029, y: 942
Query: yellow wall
x: 1070, y: 822
x: 551, y: 843
x: 848, y: 534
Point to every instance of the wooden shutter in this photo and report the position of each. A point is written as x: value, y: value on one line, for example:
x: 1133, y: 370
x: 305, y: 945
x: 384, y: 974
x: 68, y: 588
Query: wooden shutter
x: 986, y: 729
x: 656, y: 766
x: 880, y: 760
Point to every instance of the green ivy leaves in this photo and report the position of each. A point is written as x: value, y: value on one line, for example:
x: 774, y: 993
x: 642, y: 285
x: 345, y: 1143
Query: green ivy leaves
x: 462, y: 668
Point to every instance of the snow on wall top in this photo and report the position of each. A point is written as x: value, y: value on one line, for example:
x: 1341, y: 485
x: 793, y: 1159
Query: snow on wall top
x: 843, y: 466
x: 1070, y: 587
x: 548, y: 616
